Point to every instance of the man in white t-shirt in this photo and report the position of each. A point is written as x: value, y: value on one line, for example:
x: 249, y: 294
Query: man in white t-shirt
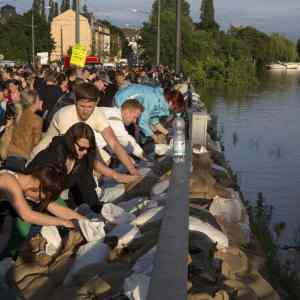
x: 118, y: 118
x: 85, y: 110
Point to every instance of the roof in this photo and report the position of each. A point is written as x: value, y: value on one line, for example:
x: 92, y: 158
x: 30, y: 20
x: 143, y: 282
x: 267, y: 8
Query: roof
x: 69, y: 13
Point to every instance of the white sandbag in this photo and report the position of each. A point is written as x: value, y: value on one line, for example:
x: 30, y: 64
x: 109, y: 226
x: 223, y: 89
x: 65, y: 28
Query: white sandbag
x: 145, y: 263
x: 111, y: 194
x: 161, y: 149
x: 144, y: 171
x: 230, y: 209
x: 52, y: 236
x: 160, y: 187
x: 214, y: 234
x: 134, y: 204
x: 92, y: 230
x: 136, y: 286
x: 116, y: 214
x: 90, y: 253
x: 150, y: 215
x: 126, y: 233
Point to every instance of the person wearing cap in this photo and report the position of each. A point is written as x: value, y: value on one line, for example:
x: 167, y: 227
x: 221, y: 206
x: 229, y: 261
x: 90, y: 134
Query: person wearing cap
x: 106, y: 90
x: 85, y: 110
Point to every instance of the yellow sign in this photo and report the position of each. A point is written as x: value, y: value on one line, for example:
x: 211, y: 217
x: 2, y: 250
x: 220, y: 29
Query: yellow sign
x: 79, y: 54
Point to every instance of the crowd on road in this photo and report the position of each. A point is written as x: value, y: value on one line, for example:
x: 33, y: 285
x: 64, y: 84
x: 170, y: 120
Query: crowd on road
x: 85, y: 131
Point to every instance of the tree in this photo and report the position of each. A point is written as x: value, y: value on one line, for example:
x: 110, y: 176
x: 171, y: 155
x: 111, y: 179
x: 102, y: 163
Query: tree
x: 43, y: 12
x: 298, y: 48
x: 168, y: 32
x: 37, y: 6
x: 51, y: 11
x: 74, y: 5
x: 207, y: 16
x: 85, y: 9
x: 65, y: 5
x: 56, y: 9
x: 15, y: 37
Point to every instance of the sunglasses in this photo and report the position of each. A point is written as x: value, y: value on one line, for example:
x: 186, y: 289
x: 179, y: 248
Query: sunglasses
x: 82, y: 148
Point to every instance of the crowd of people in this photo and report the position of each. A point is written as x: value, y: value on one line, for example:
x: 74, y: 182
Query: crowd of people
x: 75, y: 130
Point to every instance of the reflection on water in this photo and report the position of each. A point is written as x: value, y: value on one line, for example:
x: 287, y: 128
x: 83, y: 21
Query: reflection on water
x: 261, y: 133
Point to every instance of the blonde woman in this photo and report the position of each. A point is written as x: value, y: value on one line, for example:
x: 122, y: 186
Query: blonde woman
x: 26, y: 133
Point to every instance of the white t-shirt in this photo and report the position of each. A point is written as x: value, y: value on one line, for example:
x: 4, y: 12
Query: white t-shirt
x: 64, y: 119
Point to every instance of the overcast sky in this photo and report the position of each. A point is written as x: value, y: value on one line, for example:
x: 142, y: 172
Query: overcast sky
x: 268, y: 15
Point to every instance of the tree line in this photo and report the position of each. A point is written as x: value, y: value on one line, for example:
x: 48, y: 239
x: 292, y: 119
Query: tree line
x: 213, y: 57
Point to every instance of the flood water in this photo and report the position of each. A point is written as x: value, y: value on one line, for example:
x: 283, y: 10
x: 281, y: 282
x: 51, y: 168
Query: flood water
x: 261, y: 134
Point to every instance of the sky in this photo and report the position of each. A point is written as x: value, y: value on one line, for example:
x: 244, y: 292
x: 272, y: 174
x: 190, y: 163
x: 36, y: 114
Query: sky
x: 281, y: 16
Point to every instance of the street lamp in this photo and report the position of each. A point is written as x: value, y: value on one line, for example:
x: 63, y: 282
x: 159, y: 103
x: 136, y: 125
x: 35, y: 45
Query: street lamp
x: 134, y: 10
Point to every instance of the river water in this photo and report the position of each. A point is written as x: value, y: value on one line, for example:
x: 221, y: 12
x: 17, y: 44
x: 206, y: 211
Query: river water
x: 261, y: 134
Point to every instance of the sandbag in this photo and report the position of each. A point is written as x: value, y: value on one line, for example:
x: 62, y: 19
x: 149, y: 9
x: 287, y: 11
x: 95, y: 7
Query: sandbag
x: 214, y: 234
x: 144, y: 264
x: 92, y: 230
x: 136, y: 204
x: 160, y: 187
x: 52, y: 236
x: 150, y: 215
x: 136, y: 286
x: 125, y: 234
x: 90, y: 253
x: 161, y: 149
x: 116, y: 214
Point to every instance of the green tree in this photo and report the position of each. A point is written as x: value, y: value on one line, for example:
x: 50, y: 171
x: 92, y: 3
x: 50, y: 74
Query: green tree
x: 282, y: 49
x: 51, y: 14
x: 168, y: 32
x: 298, y: 48
x: 74, y: 4
x: 15, y: 37
x: 56, y: 9
x: 207, y: 16
x: 257, y: 42
x: 65, y: 5
x: 43, y: 12
x: 37, y: 6
x: 85, y: 9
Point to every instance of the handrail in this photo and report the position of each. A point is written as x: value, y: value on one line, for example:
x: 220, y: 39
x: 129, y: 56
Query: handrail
x: 170, y: 272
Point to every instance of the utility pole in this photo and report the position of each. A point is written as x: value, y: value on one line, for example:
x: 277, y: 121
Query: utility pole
x: 77, y: 23
x: 178, y: 36
x: 158, y: 34
x: 61, y: 44
x: 32, y: 37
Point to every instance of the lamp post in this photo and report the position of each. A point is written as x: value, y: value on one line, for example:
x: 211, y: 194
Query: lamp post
x: 158, y: 34
x: 77, y: 23
x: 178, y: 36
x: 158, y: 28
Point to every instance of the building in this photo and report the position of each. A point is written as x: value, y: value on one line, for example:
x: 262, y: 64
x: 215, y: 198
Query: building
x: 7, y: 11
x: 102, y: 40
x: 63, y: 33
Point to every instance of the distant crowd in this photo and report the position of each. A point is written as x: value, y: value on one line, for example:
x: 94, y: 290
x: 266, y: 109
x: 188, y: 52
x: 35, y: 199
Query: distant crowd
x: 83, y: 131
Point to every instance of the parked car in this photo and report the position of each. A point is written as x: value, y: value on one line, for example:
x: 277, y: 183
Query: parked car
x: 7, y: 63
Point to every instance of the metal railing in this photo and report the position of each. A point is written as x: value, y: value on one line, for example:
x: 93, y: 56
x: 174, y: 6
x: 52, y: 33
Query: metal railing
x: 170, y: 273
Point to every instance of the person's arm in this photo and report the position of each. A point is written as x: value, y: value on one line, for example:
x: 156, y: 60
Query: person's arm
x: 64, y: 212
x: 104, y: 170
x: 116, y: 147
x: 20, y: 205
x: 161, y: 128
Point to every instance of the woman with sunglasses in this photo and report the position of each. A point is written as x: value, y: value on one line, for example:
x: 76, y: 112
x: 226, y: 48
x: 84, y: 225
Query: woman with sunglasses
x: 27, y: 195
x: 76, y: 149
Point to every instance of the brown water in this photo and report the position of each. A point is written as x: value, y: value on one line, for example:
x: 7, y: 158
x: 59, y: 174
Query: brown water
x: 261, y: 134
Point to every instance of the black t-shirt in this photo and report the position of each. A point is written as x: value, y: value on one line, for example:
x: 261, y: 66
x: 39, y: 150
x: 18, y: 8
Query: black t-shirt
x: 50, y: 94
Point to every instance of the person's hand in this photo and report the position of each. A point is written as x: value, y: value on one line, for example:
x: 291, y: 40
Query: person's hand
x: 9, y: 123
x: 68, y: 224
x: 124, y: 178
